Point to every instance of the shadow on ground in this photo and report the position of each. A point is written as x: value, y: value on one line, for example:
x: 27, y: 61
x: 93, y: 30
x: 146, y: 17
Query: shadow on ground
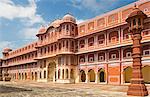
x: 8, y: 89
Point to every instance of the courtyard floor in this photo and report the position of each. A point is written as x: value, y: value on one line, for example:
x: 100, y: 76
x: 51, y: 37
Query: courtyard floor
x: 34, y: 89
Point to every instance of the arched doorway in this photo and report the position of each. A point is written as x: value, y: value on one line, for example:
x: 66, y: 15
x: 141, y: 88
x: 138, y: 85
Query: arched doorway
x: 72, y: 74
x: 67, y: 73
x: 127, y: 74
x: 19, y: 76
x: 22, y: 76
x: 51, y: 71
x: 32, y: 76
x: 91, y: 75
x: 102, y: 75
x: 59, y: 74
x: 146, y: 74
x: 25, y: 76
x: 83, y: 76
x: 35, y: 75
x: 63, y: 74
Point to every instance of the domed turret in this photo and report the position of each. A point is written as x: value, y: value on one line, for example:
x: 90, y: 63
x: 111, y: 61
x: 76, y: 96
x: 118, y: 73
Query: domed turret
x: 69, y: 18
x: 6, y: 50
x: 136, y: 19
x: 42, y: 29
x: 56, y: 23
x: 135, y: 13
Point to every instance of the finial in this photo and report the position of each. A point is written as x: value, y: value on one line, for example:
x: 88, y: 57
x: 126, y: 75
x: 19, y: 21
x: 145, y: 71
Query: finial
x: 135, y: 6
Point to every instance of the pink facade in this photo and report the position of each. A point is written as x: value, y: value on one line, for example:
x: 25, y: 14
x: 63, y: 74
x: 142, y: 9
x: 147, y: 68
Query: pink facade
x: 97, y: 50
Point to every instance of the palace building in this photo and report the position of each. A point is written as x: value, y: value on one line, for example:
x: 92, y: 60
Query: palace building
x: 97, y: 50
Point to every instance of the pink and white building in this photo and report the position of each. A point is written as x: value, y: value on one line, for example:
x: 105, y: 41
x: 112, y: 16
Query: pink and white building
x: 97, y: 50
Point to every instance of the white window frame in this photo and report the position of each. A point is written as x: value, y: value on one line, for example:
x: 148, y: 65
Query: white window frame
x: 128, y: 54
x: 145, y: 52
x: 129, y: 35
x: 146, y: 32
x: 81, y: 60
x: 113, y: 55
x: 113, y: 39
x: 100, y: 41
x: 91, y: 59
x: 101, y: 58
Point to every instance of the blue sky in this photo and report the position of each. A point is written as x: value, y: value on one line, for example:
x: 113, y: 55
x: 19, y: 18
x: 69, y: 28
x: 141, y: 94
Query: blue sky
x: 21, y: 19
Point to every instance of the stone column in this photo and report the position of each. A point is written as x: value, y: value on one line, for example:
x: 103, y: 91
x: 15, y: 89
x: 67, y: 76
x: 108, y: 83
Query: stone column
x: 65, y: 75
x: 61, y: 73
x: 87, y: 78
x: 69, y: 72
x: 96, y: 77
x: 136, y: 22
x: 56, y: 74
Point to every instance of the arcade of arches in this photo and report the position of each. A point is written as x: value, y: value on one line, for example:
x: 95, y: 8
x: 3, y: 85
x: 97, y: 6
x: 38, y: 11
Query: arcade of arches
x: 100, y: 75
x: 145, y: 72
x: 92, y: 76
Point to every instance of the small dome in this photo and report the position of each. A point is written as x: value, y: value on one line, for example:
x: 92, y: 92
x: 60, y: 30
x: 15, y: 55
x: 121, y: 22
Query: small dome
x: 7, y: 49
x: 69, y: 18
x: 56, y: 23
x: 136, y: 12
x: 42, y: 29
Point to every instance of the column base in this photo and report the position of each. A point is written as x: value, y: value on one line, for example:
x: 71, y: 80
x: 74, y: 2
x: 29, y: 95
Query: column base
x: 137, y: 88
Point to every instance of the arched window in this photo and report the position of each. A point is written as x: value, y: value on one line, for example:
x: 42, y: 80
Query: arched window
x: 91, y: 41
x: 44, y: 74
x: 139, y: 21
x: 101, y: 39
x: 82, y: 43
x: 134, y: 22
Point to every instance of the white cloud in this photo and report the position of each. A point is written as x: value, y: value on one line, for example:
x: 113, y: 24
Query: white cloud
x: 29, y: 33
x: 80, y: 21
x: 26, y: 14
x: 6, y: 44
x: 10, y: 11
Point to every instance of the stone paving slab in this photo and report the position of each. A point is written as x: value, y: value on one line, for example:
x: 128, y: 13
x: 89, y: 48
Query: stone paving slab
x: 34, y: 89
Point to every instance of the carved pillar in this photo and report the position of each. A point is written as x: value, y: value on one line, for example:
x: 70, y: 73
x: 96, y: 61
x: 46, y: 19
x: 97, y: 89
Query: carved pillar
x: 96, y: 77
x: 136, y: 22
x: 87, y: 78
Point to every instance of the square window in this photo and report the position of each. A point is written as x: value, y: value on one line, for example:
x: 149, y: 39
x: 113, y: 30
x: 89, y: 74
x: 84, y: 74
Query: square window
x: 113, y: 56
x: 145, y: 33
x: 113, y: 39
x: 82, y: 46
x: 91, y: 44
x: 146, y: 52
x: 101, y: 41
x: 127, y: 36
x: 128, y: 54
x: 82, y: 60
x: 91, y: 59
x: 101, y: 58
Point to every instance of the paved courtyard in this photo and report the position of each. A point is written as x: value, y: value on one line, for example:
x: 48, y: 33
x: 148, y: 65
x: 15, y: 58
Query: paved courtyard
x: 34, y: 89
